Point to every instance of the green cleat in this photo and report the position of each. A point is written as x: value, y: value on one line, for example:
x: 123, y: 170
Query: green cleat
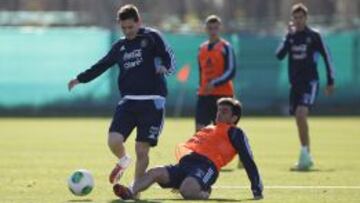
x: 305, y: 162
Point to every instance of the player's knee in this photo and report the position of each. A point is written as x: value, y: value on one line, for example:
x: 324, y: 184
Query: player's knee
x: 301, y: 112
x: 190, y: 189
x: 115, y: 140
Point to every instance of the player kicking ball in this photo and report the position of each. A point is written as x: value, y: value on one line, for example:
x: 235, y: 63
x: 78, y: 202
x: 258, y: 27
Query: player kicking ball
x: 201, y: 159
x: 143, y: 58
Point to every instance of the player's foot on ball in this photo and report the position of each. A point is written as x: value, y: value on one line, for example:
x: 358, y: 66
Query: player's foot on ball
x: 119, y: 169
x: 122, y: 192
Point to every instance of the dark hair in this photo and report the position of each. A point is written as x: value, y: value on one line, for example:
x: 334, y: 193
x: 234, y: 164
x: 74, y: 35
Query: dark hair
x: 128, y: 11
x: 213, y: 19
x: 235, y: 105
x: 299, y: 8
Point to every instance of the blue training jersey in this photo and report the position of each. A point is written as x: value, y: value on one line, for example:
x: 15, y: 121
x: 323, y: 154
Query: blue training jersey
x: 138, y: 60
x: 304, y: 49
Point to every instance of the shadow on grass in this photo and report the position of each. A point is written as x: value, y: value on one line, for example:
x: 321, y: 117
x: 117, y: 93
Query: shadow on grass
x: 313, y: 170
x: 158, y: 200
x: 80, y: 200
x: 226, y: 170
x: 140, y: 201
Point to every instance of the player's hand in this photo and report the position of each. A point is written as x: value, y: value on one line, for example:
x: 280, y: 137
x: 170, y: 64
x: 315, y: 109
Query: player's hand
x: 161, y: 70
x: 329, y: 90
x: 72, y: 83
x: 209, y: 88
x: 291, y: 28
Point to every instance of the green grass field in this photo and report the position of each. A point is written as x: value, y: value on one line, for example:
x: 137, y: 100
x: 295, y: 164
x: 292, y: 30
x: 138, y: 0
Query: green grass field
x: 37, y: 156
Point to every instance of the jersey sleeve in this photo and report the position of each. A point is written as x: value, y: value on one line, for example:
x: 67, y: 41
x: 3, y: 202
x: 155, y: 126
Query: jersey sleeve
x: 241, y: 144
x: 164, y: 52
x: 283, y: 48
x: 229, y: 69
x: 100, y: 67
x: 325, y: 53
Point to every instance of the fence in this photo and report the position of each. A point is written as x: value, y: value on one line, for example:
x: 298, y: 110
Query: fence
x: 36, y: 64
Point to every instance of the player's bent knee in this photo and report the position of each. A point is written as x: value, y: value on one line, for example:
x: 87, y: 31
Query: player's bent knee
x: 115, y: 139
x: 190, y: 189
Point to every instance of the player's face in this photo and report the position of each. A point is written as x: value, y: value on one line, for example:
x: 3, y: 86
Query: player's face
x: 130, y: 28
x: 213, y: 29
x: 225, y: 115
x: 299, y: 20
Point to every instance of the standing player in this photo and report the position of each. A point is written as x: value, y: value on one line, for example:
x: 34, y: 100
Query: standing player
x: 143, y: 58
x: 304, y: 45
x: 203, y: 156
x: 216, y: 69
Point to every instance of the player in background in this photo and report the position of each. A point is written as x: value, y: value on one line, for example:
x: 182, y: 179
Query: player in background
x: 303, y: 46
x: 143, y: 58
x: 202, y: 157
x: 216, y: 69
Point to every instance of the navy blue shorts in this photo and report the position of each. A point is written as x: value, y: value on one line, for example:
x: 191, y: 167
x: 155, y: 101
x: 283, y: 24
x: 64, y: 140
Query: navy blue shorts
x: 146, y: 115
x: 303, y: 95
x: 192, y: 165
x: 206, y: 108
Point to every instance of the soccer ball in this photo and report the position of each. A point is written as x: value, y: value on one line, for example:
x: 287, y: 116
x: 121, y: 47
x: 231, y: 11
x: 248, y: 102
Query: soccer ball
x: 81, y: 182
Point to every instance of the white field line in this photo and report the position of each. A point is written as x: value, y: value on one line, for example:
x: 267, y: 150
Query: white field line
x: 291, y: 187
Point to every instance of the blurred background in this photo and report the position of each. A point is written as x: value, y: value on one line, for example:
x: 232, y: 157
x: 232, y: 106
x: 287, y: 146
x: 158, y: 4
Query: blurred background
x: 45, y: 43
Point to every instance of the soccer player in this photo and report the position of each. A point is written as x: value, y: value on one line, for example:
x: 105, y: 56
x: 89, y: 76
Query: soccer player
x: 144, y: 58
x: 203, y: 156
x: 303, y: 45
x: 216, y: 69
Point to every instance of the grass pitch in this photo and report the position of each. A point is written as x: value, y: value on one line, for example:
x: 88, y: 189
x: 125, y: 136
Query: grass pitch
x: 38, y: 155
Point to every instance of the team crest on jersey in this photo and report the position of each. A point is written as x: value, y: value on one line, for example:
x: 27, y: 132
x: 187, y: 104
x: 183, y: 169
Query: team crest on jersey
x: 144, y: 43
x: 308, y: 40
x: 122, y: 48
x: 291, y: 41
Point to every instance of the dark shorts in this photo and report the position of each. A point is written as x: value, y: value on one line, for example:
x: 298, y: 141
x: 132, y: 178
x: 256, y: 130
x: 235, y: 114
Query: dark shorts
x: 303, y: 95
x: 146, y: 115
x: 206, y: 109
x: 192, y: 165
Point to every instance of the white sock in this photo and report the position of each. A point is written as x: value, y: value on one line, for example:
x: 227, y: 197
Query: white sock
x: 305, y: 149
x: 124, y: 161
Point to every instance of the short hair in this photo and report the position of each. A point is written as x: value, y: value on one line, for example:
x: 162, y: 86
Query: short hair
x: 300, y: 7
x: 235, y: 105
x: 128, y: 11
x: 213, y: 19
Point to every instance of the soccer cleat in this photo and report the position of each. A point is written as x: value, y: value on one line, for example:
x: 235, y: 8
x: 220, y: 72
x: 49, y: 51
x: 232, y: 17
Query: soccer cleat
x: 305, y: 162
x: 119, y: 169
x: 122, y: 192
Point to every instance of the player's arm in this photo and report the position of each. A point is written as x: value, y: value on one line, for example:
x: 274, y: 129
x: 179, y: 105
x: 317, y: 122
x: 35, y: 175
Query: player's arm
x: 241, y: 144
x: 165, y: 53
x: 283, y: 48
x: 324, y: 51
x: 97, y: 69
x: 229, y: 69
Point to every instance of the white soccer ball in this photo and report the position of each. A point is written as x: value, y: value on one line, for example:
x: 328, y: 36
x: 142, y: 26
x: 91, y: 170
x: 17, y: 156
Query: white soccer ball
x: 81, y: 182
